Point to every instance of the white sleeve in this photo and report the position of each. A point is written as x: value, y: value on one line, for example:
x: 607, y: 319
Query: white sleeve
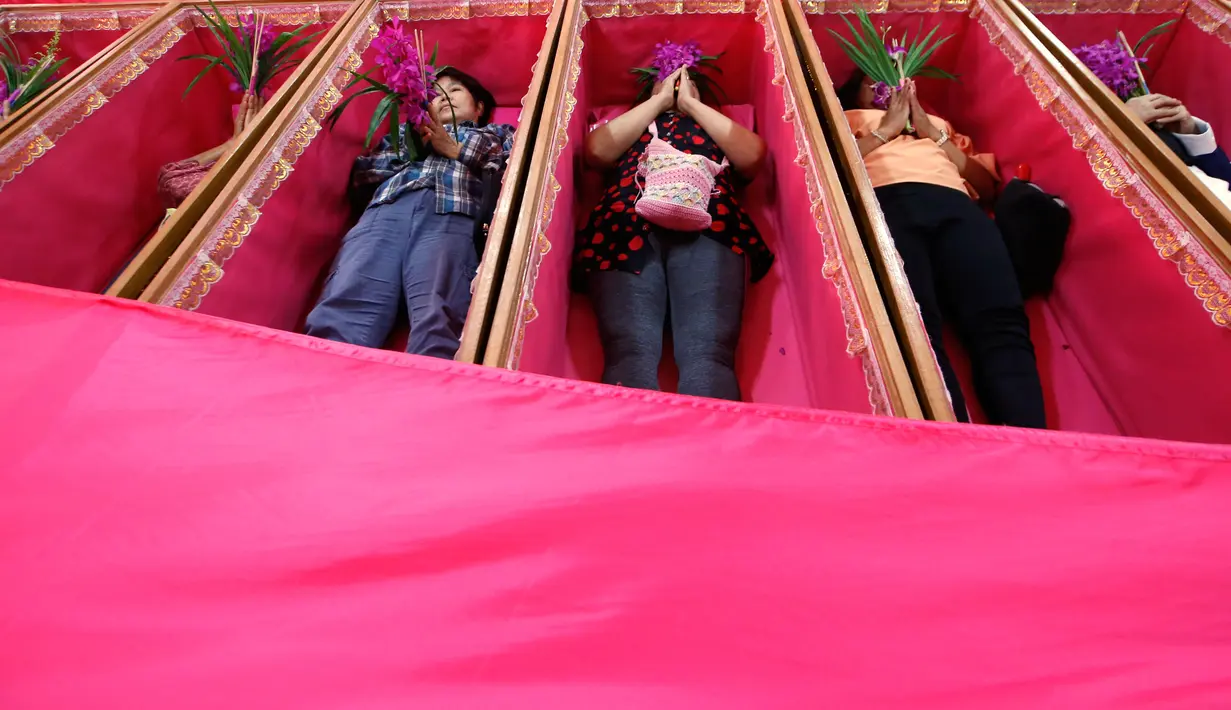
x: 1200, y: 143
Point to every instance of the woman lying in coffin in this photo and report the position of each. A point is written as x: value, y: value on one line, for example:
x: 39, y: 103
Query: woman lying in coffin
x: 927, y: 183
x: 1190, y: 138
x: 416, y: 238
x: 646, y: 266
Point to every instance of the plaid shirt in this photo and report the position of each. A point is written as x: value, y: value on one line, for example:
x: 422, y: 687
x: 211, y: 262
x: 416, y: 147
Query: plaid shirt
x: 458, y: 183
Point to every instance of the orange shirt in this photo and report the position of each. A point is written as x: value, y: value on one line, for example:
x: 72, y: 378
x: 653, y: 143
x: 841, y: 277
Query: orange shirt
x: 910, y: 159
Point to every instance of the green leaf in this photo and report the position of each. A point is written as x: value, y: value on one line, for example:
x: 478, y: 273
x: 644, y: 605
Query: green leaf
x: 213, y: 63
x: 378, y: 116
x: 336, y: 113
x: 1161, y: 29
x: 435, y: 49
x: 936, y: 73
x: 229, y: 42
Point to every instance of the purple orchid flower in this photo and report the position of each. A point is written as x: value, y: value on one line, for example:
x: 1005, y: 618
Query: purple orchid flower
x: 669, y: 56
x: 1114, y: 65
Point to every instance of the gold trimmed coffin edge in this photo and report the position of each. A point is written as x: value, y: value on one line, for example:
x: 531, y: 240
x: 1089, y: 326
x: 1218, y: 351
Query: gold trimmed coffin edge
x: 847, y: 267
x: 518, y: 175
x: 144, y: 267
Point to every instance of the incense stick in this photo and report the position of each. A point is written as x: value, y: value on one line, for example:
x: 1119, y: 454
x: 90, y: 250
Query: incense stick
x: 258, y: 29
x: 1141, y: 79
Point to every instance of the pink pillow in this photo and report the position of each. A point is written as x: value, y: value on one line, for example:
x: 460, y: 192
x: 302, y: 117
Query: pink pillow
x: 740, y: 113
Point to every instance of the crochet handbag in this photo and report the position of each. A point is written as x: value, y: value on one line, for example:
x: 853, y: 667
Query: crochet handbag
x: 677, y: 186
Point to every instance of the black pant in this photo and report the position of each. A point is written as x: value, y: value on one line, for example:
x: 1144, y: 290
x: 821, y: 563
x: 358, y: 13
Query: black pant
x: 958, y: 265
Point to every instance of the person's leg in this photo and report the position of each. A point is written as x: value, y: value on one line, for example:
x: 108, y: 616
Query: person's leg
x: 439, y: 265
x: 359, y: 302
x: 632, y: 312
x: 705, y: 285
x: 911, y: 237
x: 980, y: 289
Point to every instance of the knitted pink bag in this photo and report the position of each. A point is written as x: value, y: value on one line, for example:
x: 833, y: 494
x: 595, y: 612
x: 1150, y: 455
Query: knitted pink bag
x: 677, y: 187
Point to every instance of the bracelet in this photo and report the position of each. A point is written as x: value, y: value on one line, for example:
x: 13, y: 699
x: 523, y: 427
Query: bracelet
x: 944, y: 138
x: 880, y: 137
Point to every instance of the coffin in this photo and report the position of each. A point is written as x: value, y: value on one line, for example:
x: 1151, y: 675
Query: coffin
x: 1191, y: 62
x: 1134, y: 338
x: 262, y: 250
x: 815, y: 332
x: 86, y: 31
x: 78, y: 175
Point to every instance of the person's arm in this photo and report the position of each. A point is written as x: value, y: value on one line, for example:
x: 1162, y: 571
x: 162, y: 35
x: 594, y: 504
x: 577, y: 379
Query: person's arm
x: 249, y: 107
x: 891, y: 125
x: 971, y: 171
x: 744, y: 149
x: 609, y: 142
x: 486, y: 147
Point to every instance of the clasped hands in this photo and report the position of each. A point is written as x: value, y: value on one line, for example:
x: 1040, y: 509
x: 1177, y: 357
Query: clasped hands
x: 904, y: 106
x: 677, y: 92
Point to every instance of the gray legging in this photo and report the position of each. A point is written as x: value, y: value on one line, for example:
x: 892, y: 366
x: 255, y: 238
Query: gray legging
x: 702, y: 283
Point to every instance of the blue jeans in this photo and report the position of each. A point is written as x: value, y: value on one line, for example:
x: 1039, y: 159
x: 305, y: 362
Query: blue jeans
x: 696, y: 281
x: 403, y: 249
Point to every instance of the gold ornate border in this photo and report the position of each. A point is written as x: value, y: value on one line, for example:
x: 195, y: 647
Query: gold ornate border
x: 1211, y: 18
x: 834, y: 269
x: 1102, y: 7
x: 602, y: 9
x: 833, y: 7
x: 462, y: 9
x: 17, y: 20
x: 193, y: 283
x: 1171, y: 239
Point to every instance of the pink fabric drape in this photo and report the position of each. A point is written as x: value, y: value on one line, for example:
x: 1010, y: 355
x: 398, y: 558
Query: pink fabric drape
x: 198, y: 513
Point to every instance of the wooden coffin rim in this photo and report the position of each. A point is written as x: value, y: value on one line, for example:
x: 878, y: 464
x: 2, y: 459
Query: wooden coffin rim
x: 171, y: 232
x: 74, y: 17
x: 1185, y: 187
x: 1115, y: 166
x: 847, y: 267
x: 197, y: 261
x: 30, y: 135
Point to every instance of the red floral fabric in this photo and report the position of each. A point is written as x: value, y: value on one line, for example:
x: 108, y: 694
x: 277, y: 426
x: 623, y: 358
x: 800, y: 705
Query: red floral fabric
x: 615, y: 236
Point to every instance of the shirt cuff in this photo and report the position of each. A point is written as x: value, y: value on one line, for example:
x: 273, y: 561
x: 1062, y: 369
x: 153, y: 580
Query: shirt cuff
x: 1200, y: 143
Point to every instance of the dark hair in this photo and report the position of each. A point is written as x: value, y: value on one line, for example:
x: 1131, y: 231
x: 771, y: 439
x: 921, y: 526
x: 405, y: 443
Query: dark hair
x: 478, y: 92
x: 848, y: 93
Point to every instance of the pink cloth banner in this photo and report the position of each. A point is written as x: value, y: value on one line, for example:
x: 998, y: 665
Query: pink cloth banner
x: 198, y: 513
